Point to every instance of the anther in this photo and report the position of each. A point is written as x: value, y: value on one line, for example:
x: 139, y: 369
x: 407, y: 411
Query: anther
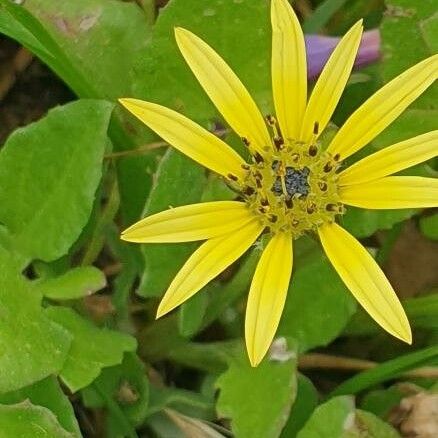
x: 279, y: 143
x: 258, y: 175
x: 337, y: 157
x: 262, y: 209
x: 289, y: 203
x: 295, y: 222
x: 245, y: 141
x: 258, y: 158
x: 245, y: 166
x: 248, y: 191
x: 264, y: 202
x: 271, y: 120
x: 258, y: 184
x: 273, y: 218
x: 316, y: 128
x: 328, y: 167
x: 313, y: 150
x: 331, y: 207
x: 295, y: 157
x: 322, y: 186
x: 232, y: 177
x: 311, y: 208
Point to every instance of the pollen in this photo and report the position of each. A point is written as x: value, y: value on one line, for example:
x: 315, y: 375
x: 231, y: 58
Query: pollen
x: 293, y: 185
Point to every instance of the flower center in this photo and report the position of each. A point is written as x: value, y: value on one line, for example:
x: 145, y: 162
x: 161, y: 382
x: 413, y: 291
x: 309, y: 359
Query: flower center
x: 292, y: 187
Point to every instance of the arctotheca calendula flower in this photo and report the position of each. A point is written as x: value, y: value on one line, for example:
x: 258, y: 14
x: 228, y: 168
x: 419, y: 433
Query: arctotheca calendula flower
x: 291, y: 185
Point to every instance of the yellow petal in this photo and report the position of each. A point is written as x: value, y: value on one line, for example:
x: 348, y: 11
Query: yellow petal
x: 208, y: 261
x: 392, y: 192
x: 366, y: 281
x: 224, y: 89
x: 190, y: 222
x: 330, y: 85
x: 188, y: 137
x: 392, y: 159
x: 267, y: 296
x: 289, y: 69
x: 383, y: 107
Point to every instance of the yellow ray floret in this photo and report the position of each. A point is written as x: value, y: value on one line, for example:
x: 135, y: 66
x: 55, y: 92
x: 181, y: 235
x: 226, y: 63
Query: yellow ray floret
x: 289, y: 69
x: 224, y: 89
x: 365, y: 279
x: 208, y: 261
x: 392, y: 159
x: 187, y: 136
x: 267, y: 296
x: 190, y: 222
x: 330, y: 85
x: 383, y: 107
x: 393, y: 192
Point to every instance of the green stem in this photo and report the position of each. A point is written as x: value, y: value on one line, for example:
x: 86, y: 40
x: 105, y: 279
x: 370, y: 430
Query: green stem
x: 116, y: 411
x: 98, y: 237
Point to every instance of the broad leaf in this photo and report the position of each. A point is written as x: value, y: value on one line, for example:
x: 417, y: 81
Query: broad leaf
x: 257, y: 400
x: 76, y: 283
x: 92, y: 348
x: 48, y: 394
x: 32, y: 346
x: 49, y: 173
x: 26, y: 420
x: 339, y: 418
x: 102, y: 39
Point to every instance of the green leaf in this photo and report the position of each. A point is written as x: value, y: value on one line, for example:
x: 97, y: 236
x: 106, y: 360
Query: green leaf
x: 387, y: 370
x: 339, y: 418
x: 331, y: 419
x: 49, y: 173
x: 192, y: 312
x: 25, y: 420
x: 179, y: 181
x: 429, y: 226
x: 32, y: 346
x: 127, y: 386
x: 48, y: 394
x: 103, y: 39
x: 405, y: 43
x: 245, y: 21
x: 306, y: 402
x: 322, y: 15
x: 76, y: 283
x: 318, y: 305
x: 92, y: 348
x: 257, y: 400
x: 421, y: 312
x: 364, y: 223
x: 381, y: 401
x: 374, y: 426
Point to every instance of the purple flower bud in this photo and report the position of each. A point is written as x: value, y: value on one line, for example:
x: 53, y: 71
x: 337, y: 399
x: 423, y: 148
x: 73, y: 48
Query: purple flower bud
x: 319, y: 48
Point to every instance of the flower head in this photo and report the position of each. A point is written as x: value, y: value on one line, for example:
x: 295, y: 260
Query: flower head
x: 291, y: 185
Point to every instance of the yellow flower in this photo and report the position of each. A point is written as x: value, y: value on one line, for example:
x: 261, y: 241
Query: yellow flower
x: 291, y: 185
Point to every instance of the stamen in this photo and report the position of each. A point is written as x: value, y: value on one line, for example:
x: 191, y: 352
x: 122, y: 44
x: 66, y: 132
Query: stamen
x: 316, y: 128
x: 279, y: 143
x: 322, y: 186
x: 232, y: 177
x: 258, y: 158
x: 328, y: 167
x: 248, y: 191
x: 313, y: 150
